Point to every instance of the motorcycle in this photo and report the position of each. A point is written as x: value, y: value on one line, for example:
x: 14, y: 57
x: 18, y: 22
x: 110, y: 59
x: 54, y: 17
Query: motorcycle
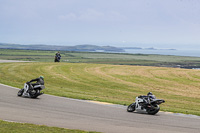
x: 32, y: 93
x: 57, y: 58
x: 148, y: 104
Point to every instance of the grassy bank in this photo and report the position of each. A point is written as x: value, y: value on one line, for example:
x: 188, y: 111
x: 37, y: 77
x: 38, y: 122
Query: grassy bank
x: 118, y: 84
x: 13, y: 127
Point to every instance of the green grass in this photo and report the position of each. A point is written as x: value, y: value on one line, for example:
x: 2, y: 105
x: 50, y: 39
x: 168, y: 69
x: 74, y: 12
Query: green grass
x: 118, y: 84
x: 100, y: 58
x: 13, y: 127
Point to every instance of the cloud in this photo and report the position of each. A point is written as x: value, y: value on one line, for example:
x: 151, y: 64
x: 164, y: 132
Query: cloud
x: 70, y: 16
x: 93, y: 15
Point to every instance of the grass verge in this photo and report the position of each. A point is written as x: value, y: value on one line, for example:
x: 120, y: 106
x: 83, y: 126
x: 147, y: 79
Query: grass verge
x: 13, y: 127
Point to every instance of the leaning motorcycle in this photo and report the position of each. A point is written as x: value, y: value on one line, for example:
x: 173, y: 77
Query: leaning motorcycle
x: 147, y: 104
x: 32, y: 93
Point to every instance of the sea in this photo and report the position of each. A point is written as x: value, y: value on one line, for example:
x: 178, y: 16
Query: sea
x: 177, y: 52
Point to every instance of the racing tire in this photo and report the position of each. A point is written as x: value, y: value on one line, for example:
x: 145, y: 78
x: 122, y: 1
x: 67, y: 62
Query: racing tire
x: 20, y: 92
x: 153, y: 111
x: 34, y: 93
x: 131, y: 107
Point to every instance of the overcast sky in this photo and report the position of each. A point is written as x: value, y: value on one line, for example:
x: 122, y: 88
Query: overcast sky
x: 147, y: 23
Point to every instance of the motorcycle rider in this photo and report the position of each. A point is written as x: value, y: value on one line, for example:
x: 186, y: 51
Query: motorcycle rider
x: 57, y: 57
x: 151, y: 95
x: 58, y: 54
x: 148, y: 97
x: 39, y: 81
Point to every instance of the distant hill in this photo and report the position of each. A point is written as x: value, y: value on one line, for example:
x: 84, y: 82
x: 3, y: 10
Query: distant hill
x: 85, y: 47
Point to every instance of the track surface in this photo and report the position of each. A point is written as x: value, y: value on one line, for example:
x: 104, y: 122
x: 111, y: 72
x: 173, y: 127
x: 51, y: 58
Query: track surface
x: 78, y: 114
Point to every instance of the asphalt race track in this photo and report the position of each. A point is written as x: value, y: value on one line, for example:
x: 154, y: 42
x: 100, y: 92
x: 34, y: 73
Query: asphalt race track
x: 90, y: 116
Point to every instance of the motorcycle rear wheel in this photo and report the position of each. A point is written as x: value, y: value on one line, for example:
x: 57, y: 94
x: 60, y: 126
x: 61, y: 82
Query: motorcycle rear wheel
x: 20, y: 92
x: 34, y: 93
x: 131, y: 107
x: 153, y: 111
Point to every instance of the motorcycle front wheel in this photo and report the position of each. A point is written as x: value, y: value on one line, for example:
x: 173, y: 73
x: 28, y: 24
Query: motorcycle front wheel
x: 131, y: 107
x: 154, y: 110
x: 20, y: 92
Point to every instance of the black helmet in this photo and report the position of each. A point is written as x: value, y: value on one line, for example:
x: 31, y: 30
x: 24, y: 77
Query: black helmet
x: 150, y: 93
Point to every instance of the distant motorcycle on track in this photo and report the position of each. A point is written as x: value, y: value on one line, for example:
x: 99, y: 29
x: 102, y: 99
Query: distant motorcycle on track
x: 57, y: 57
x: 147, y: 104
